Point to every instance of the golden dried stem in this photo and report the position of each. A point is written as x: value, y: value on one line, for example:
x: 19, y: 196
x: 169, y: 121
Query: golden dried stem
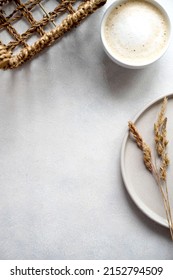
x: 160, y: 175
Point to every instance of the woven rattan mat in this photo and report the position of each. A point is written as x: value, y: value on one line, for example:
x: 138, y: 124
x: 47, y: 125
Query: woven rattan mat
x: 29, y: 26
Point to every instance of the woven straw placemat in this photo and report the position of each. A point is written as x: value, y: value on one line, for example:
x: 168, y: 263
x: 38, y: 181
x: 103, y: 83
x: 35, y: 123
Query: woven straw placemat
x: 41, y: 20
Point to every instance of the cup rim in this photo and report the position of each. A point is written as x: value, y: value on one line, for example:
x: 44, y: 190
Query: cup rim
x: 123, y: 62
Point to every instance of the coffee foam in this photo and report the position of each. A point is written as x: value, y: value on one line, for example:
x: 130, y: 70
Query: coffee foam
x: 136, y: 32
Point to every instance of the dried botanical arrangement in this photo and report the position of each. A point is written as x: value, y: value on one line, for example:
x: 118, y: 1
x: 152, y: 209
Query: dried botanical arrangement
x: 157, y: 167
x: 56, y: 17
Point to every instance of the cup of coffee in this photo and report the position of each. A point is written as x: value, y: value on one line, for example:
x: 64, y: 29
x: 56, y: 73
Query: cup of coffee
x: 135, y: 33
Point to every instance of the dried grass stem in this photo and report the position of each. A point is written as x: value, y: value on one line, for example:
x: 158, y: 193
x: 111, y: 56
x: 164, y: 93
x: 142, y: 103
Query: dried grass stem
x: 161, y: 142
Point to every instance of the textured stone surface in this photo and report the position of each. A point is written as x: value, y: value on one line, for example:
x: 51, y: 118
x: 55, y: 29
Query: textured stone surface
x: 62, y: 121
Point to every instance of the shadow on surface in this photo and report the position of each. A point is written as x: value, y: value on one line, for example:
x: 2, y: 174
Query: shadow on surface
x: 122, y: 80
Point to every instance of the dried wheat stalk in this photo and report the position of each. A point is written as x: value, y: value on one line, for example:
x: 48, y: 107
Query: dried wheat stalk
x: 160, y: 175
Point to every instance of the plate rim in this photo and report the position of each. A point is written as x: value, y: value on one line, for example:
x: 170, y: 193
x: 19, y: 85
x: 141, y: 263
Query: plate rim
x: 146, y: 210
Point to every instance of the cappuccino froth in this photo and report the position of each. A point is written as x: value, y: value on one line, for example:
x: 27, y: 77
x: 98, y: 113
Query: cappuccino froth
x: 136, y: 32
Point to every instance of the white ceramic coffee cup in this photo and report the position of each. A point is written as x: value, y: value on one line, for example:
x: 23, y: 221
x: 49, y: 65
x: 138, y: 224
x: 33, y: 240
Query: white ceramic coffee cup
x: 130, y: 42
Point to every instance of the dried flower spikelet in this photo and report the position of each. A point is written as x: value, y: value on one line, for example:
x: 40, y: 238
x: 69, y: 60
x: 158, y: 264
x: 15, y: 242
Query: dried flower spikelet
x: 161, y: 141
x: 158, y: 140
x: 136, y: 135
x: 160, y: 130
x: 163, y: 167
x: 161, y: 116
x: 147, y: 157
x: 163, y: 129
x: 167, y: 159
x: 142, y: 146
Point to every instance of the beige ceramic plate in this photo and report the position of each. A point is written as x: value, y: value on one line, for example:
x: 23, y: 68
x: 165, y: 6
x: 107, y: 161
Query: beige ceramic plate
x: 138, y: 181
